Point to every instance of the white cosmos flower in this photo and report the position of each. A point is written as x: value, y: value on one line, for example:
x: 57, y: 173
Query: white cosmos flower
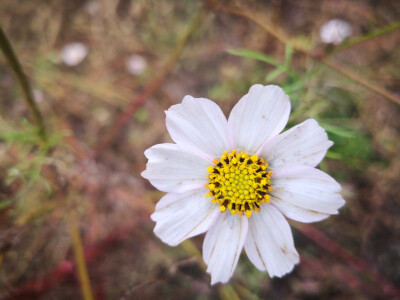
x: 236, y: 179
x: 136, y: 64
x: 335, y: 31
x: 74, y: 53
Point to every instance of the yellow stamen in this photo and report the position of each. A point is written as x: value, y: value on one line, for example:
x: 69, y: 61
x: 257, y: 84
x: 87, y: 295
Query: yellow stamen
x: 239, y: 182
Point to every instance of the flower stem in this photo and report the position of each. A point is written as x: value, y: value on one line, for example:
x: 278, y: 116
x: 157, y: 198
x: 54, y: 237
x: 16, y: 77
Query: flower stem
x: 366, y: 37
x: 350, y: 74
x: 80, y: 258
x: 12, y: 60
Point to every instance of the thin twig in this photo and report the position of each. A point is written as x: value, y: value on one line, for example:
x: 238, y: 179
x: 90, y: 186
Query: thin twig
x: 365, y: 37
x: 342, y: 274
x: 346, y: 256
x: 282, y: 37
x: 153, y: 86
x: 80, y: 258
x: 345, y: 71
x: 12, y: 60
x: 66, y: 269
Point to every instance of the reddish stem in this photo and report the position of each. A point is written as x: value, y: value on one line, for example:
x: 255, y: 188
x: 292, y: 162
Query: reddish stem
x: 350, y: 259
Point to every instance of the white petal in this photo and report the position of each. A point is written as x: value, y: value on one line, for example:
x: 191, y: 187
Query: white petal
x: 269, y: 244
x: 297, y: 213
x: 223, y: 244
x: 259, y: 115
x: 172, y: 168
x: 181, y: 216
x: 308, y: 189
x: 200, y: 125
x: 304, y: 144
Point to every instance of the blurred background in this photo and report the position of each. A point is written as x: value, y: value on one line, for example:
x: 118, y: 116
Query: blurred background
x: 74, y: 211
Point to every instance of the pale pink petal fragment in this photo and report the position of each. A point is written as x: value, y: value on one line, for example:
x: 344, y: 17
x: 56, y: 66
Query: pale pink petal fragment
x: 269, y: 244
x: 308, y: 189
x: 258, y: 116
x: 172, y: 168
x: 200, y: 125
x: 223, y: 244
x: 304, y: 144
x: 181, y: 216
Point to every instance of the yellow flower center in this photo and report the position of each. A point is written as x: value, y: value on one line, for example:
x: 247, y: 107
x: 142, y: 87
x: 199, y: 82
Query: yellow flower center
x: 239, y: 182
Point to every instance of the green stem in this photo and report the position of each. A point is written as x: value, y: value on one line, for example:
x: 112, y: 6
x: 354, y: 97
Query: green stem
x: 350, y: 74
x: 83, y: 273
x: 12, y: 60
x: 363, y: 38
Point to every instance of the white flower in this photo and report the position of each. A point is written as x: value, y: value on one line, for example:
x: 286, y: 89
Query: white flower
x: 236, y: 179
x: 136, y: 64
x: 74, y: 53
x: 335, y: 31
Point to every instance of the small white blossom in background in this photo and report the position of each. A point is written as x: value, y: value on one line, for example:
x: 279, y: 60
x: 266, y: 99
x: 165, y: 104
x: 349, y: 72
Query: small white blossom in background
x: 236, y: 179
x: 38, y: 95
x: 335, y: 31
x: 74, y: 53
x: 92, y: 7
x: 136, y: 64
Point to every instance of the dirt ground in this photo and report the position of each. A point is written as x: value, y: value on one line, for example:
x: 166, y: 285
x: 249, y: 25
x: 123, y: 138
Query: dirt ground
x: 80, y: 191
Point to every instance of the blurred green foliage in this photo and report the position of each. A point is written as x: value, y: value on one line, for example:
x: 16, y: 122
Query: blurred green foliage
x: 350, y: 144
x: 31, y: 153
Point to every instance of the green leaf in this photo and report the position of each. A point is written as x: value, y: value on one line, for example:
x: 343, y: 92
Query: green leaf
x: 333, y: 155
x: 339, y: 131
x: 288, y: 57
x: 255, y: 55
x: 5, y: 204
x: 275, y: 73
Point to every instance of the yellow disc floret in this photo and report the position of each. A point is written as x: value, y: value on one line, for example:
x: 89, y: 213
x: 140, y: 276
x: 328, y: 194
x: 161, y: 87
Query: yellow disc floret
x: 239, y: 182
